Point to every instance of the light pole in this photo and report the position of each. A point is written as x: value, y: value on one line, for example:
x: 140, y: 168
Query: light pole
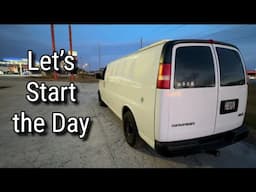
x: 99, y: 56
x: 53, y: 48
x: 72, y: 78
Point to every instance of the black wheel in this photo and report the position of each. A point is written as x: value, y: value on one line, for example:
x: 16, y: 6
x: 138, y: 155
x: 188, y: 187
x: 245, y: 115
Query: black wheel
x: 130, y: 129
x: 100, y: 100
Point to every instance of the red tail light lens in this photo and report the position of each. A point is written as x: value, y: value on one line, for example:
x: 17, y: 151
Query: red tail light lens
x: 164, y: 76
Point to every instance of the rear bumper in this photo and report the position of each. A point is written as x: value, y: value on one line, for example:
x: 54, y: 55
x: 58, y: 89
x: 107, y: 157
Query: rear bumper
x: 202, y: 144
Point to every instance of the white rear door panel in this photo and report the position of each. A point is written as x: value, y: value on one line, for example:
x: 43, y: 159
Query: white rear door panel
x: 195, y: 107
x: 192, y: 111
x: 229, y: 121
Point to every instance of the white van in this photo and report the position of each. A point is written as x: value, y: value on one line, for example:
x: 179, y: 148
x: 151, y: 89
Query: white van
x: 179, y: 96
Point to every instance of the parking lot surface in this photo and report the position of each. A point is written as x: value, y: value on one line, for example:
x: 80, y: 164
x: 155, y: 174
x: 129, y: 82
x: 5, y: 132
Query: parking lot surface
x: 105, y: 147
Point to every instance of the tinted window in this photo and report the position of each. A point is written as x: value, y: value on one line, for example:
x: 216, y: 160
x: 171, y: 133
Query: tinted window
x: 194, y: 67
x: 231, y: 68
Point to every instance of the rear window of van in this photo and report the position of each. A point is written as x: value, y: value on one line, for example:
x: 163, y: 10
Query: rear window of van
x: 194, y: 67
x: 231, y: 68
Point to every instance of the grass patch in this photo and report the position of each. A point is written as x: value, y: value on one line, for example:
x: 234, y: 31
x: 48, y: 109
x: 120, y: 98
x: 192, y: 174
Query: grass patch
x: 250, y: 117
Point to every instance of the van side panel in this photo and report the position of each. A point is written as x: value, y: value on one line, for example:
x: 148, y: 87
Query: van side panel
x: 113, y: 90
x: 131, y: 81
x: 145, y: 74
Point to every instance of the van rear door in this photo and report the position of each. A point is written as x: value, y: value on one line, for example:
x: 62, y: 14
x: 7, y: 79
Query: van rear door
x: 232, y: 95
x: 193, y: 94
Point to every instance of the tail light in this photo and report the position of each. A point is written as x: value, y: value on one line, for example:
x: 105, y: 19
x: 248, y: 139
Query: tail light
x: 164, y: 76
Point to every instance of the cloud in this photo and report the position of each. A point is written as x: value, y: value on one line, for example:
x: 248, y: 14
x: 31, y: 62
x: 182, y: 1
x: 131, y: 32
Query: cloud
x: 108, y: 52
x: 244, y: 38
x: 15, y: 40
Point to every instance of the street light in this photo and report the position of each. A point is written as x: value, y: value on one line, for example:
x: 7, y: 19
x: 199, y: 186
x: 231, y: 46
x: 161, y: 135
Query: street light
x: 86, y: 65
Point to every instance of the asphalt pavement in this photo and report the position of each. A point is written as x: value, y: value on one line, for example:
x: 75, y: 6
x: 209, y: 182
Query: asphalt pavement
x: 104, y: 148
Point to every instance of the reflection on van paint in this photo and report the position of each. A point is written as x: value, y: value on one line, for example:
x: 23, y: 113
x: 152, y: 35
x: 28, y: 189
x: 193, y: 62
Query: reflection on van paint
x: 173, y: 94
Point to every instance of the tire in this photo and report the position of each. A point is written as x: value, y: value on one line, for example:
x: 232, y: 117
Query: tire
x: 100, y: 100
x: 130, y: 129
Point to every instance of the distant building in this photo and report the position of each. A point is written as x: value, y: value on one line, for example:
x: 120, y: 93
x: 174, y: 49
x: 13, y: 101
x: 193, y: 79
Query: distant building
x: 14, y: 65
x: 251, y: 74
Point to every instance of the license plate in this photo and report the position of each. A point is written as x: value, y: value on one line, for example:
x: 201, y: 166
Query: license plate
x: 228, y: 106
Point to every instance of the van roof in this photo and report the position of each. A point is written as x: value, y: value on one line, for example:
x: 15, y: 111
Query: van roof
x: 154, y: 44
x: 201, y: 41
x: 168, y: 43
x: 186, y: 41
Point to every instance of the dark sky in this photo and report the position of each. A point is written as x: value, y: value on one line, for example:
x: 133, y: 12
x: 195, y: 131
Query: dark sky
x: 118, y: 40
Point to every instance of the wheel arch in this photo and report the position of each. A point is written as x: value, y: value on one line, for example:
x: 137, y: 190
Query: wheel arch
x: 126, y: 108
